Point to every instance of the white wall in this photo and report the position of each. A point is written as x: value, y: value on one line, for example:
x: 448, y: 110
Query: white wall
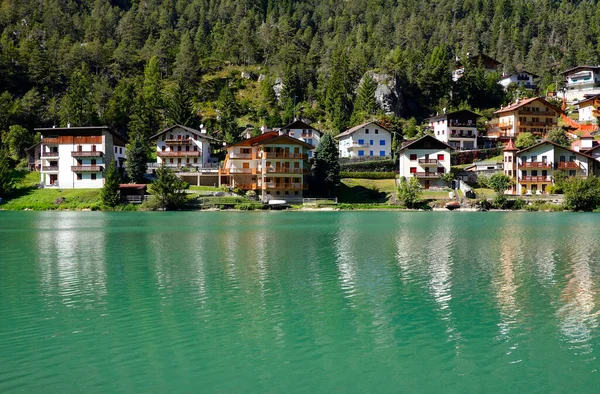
x: 585, y: 113
x: 202, y: 145
x: 371, y: 136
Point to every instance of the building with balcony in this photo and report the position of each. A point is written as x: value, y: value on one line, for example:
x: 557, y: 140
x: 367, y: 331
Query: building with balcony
x: 532, y: 168
x: 427, y: 159
x: 522, y: 78
x: 273, y: 164
x: 473, y: 61
x: 534, y: 115
x: 76, y: 157
x: 304, y: 132
x: 181, y: 146
x: 589, y: 109
x: 457, y: 129
x: 581, y: 81
x: 365, y: 140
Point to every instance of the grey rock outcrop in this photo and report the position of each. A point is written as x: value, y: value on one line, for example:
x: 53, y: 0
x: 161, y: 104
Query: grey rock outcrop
x: 278, y: 87
x: 388, y: 93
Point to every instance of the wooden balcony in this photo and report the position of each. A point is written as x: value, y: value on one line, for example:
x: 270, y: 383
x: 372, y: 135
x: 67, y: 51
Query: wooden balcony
x: 87, y: 168
x: 568, y: 165
x: 49, y: 169
x: 538, y: 124
x: 462, y: 135
x: 427, y: 174
x: 86, y: 153
x: 535, y: 113
x: 49, y: 155
x: 247, y: 186
x: 245, y: 156
x: 284, y: 155
x: 283, y: 186
x: 534, y: 178
x: 283, y: 170
x: 430, y: 162
x: 186, y: 141
x: 505, y: 126
x: 190, y: 153
x: 233, y: 171
x: 535, y: 164
x: 50, y: 141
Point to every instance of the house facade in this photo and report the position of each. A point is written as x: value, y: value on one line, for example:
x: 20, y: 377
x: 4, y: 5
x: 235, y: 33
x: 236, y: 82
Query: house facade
x: 273, y: 164
x: 76, y: 157
x: 533, y: 115
x: 581, y: 81
x: 489, y: 65
x: 589, y: 109
x: 532, y: 168
x: 181, y: 146
x: 305, y: 133
x: 365, y: 140
x: 522, y: 78
x: 427, y: 159
x: 457, y: 129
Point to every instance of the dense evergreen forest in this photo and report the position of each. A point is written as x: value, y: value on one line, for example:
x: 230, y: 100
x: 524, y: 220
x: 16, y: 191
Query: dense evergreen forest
x: 139, y: 65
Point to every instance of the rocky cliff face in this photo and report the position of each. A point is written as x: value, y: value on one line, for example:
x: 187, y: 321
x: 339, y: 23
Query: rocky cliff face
x: 388, y: 93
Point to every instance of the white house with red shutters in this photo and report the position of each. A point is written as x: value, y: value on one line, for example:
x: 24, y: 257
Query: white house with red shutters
x: 427, y: 159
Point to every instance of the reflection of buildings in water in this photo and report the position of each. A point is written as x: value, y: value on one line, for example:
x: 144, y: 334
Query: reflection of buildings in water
x: 578, y: 315
x: 346, y: 242
x: 505, y: 282
x: 72, y: 257
x: 544, y: 251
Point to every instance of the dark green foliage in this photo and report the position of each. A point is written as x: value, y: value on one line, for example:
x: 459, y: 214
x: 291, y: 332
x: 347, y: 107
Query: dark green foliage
x: 410, y: 192
x: 169, y: 189
x: 338, y: 96
x: 369, y: 166
x: 137, y: 158
x: 467, y: 157
x: 499, y: 182
x: 326, y: 167
x: 525, y: 140
x: 179, y: 106
x: 18, y: 139
x: 5, y: 173
x: 110, y: 191
x: 582, y: 194
x: 77, y: 106
x: 228, y: 111
x: 368, y: 175
x: 365, y: 104
x: 557, y: 135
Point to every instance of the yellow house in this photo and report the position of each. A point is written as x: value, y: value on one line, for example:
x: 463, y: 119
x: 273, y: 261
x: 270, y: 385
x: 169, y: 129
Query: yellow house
x: 534, y: 115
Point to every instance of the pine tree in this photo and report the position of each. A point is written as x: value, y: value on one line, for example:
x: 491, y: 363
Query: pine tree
x: 110, y: 190
x: 326, y: 166
x: 186, y: 62
x: 77, y: 106
x: 5, y: 174
x: 169, y: 189
x: 137, y: 158
x: 228, y: 111
x: 338, y: 96
x: 179, y: 106
x: 365, y: 104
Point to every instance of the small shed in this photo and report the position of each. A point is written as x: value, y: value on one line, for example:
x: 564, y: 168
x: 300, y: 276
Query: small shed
x: 133, y: 193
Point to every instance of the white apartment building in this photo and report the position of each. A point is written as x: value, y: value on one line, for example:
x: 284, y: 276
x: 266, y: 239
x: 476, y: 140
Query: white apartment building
x: 581, y: 81
x: 182, y: 146
x: 76, y: 157
x: 589, y: 109
x: 532, y: 168
x: 426, y: 158
x: 522, y: 78
x: 457, y: 129
x: 304, y: 132
x: 365, y: 140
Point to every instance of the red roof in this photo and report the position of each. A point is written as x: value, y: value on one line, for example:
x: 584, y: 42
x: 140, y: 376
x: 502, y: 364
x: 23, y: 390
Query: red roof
x: 586, y: 134
x: 520, y: 103
x: 510, y: 146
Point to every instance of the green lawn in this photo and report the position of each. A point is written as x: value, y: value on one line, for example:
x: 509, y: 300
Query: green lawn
x: 487, y: 193
x: 354, y: 190
x: 205, y: 188
x: 26, y: 195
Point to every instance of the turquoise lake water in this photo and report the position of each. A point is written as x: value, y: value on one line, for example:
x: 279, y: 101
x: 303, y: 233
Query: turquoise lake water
x: 299, y: 302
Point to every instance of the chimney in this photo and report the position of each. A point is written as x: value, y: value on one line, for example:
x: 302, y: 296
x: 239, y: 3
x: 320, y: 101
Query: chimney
x: 202, y: 129
x: 68, y: 125
x: 263, y: 129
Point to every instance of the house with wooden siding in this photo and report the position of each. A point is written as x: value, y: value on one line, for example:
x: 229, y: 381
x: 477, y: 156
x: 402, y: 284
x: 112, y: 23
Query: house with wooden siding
x: 534, y: 115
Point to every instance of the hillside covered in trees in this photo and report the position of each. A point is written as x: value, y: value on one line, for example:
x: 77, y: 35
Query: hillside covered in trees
x: 139, y: 65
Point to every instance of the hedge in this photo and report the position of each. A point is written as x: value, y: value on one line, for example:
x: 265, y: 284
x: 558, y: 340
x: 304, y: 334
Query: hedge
x: 369, y: 166
x: 368, y: 175
x: 467, y: 157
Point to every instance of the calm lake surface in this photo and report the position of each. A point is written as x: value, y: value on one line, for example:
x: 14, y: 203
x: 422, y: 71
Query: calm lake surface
x: 299, y: 302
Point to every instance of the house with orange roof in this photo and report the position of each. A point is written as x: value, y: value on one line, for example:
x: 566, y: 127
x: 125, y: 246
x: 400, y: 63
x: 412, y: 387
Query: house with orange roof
x: 365, y: 140
x: 273, y: 164
x: 585, y: 142
x: 532, y: 168
x: 534, y: 115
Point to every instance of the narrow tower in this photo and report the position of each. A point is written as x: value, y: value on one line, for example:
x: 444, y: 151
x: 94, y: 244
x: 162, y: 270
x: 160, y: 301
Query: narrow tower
x: 510, y: 164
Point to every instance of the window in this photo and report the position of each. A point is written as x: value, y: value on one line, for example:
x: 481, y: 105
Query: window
x: 93, y: 177
x: 361, y: 142
x: 534, y: 173
x: 381, y: 153
x: 371, y: 142
x: 366, y: 131
x: 297, y: 164
x: 93, y: 162
x: 370, y: 153
x: 523, y: 159
x: 572, y: 173
x: 164, y: 148
x: 116, y: 149
x: 544, y: 159
x: 78, y: 176
x: 171, y: 161
x: 121, y: 150
x: 245, y: 165
x: 93, y: 148
x: 571, y: 158
x: 376, y: 131
x: 195, y: 160
x: 544, y: 172
x: 440, y: 157
x: 361, y: 153
x: 310, y: 141
x: 413, y: 157
x: 195, y: 148
x: 562, y: 159
x: 382, y: 142
x: 440, y: 170
x: 413, y: 170
x: 534, y: 158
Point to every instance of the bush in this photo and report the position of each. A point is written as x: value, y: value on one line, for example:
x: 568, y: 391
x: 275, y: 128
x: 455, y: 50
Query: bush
x: 409, y: 192
x: 248, y: 206
x: 582, y: 194
x: 368, y: 175
x: 518, y: 204
x: 369, y: 166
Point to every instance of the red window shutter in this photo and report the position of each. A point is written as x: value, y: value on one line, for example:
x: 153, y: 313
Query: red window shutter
x: 413, y: 170
x: 441, y: 156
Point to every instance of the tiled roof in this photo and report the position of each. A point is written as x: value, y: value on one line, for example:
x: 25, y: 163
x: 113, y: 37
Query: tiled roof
x: 356, y: 128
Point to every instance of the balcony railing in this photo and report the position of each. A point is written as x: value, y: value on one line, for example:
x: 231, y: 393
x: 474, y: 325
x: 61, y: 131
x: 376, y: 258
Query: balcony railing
x: 530, y: 112
x: 247, y: 186
x: 228, y: 171
x: 284, y: 155
x: 428, y: 174
x: 50, y: 141
x: 287, y: 170
x: 283, y: 186
x: 462, y: 124
x: 186, y: 141
x: 536, y: 164
x: 49, y: 169
x: 535, y: 178
x: 428, y: 161
x: 463, y: 135
x: 539, y: 124
x: 568, y: 164
x: 48, y: 155
x: 190, y: 153
x: 90, y: 168
x: 87, y: 153
x: 505, y: 126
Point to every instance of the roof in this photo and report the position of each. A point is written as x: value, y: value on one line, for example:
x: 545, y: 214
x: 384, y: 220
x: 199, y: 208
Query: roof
x: 32, y: 146
x: 521, y: 103
x: 588, y: 98
x: 358, y: 127
x: 573, y: 69
x: 186, y: 128
x: 269, y: 138
x: 557, y: 145
x: 483, y: 163
x: 74, y: 129
x: 444, y: 116
x: 427, y: 136
x: 483, y: 57
x: 519, y: 72
x: 255, y: 140
x: 510, y: 147
x: 586, y: 134
x: 299, y: 124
